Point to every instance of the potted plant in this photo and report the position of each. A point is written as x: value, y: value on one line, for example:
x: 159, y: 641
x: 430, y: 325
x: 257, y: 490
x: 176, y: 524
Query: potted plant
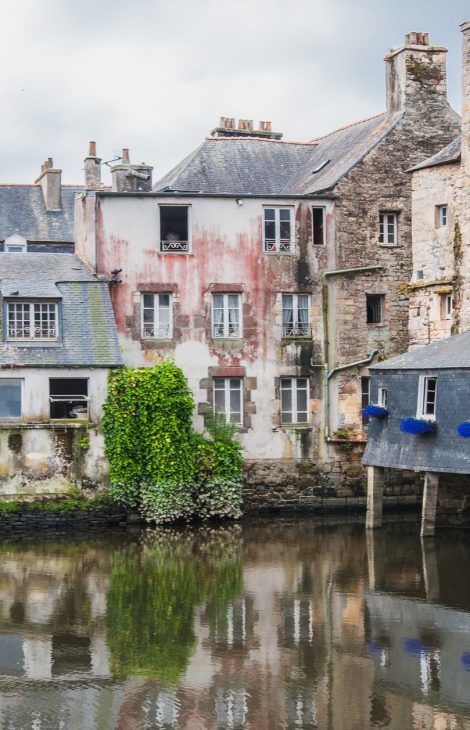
x: 463, y: 429
x: 416, y: 425
x: 375, y: 411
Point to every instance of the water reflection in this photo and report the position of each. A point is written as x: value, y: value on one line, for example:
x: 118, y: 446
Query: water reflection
x: 270, y: 625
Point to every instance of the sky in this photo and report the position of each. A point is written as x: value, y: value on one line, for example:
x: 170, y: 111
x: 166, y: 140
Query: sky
x: 156, y: 75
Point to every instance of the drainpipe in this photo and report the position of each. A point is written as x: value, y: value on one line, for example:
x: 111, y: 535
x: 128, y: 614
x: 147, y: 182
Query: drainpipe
x: 327, y: 372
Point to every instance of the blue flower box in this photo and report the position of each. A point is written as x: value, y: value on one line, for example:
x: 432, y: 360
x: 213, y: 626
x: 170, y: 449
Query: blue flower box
x: 463, y: 429
x: 376, y: 411
x: 416, y: 425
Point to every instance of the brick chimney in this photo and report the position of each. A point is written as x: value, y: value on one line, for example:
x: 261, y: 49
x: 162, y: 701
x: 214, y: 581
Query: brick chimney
x: 129, y: 178
x: 465, y: 28
x: 92, y: 167
x: 50, y: 182
x: 416, y: 74
x: 245, y: 128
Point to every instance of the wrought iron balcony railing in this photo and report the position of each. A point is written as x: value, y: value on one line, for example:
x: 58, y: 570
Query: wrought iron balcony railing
x: 296, y: 331
x: 174, y: 246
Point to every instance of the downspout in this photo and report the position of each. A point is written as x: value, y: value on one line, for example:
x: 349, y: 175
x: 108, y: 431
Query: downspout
x: 326, y: 338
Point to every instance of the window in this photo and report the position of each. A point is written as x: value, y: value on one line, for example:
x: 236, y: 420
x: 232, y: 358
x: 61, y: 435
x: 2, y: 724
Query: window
x: 365, y: 398
x: 68, y: 398
x: 10, y: 398
x: 296, y: 315
x: 383, y: 397
x: 15, y: 244
x: 174, y: 228
x: 446, y: 306
x: 441, y: 216
x: 294, y: 400
x: 157, y: 319
x: 32, y: 321
x: 388, y: 228
x: 427, y: 397
x: 228, y: 398
x: 226, y: 315
x: 318, y: 230
x: 374, y: 308
x: 278, y: 230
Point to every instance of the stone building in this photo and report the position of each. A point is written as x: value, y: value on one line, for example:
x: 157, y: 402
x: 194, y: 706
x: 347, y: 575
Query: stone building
x: 274, y: 272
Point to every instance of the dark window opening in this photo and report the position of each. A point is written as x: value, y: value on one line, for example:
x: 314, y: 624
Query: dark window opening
x: 365, y: 397
x: 174, y: 228
x: 374, y: 305
x: 68, y: 398
x: 318, y: 226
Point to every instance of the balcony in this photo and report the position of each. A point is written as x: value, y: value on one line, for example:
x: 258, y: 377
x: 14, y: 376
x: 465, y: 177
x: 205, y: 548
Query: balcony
x: 169, y: 246
x: 283, y: 246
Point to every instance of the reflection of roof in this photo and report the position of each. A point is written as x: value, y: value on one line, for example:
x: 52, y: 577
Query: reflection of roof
x: 89, y: 335
x: 22, y: 211
x: 451, y: 153
x: 453, y: 352
x: 240, y: 166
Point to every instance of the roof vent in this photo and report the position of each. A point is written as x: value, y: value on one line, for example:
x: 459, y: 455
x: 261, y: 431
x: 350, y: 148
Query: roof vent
x: 320, y: 166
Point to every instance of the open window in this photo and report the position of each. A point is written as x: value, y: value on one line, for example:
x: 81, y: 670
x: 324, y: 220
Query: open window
x: 427, y: 398
x: 68, y: 398
x: 374, y: 308
x: 174, y: 229
x: 318, y: 226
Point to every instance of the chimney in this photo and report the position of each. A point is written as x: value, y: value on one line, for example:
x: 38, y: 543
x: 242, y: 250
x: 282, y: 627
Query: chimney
x: 50, y: 182
x: 416, y: 75
x: 228, y: 128
x: 129, y: 178
x: 92, y: 168
x: 465, y: 28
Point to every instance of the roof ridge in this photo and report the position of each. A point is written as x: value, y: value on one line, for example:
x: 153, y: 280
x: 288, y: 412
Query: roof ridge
x: 347, y: 126
x: 308, y: 143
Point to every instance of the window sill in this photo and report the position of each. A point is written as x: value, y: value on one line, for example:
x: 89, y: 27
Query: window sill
x: 21, y: 425
x: 296, y: 427
x: 388, y: 245
x: 156, y: 339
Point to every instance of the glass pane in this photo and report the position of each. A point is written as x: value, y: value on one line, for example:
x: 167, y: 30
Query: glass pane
x: 285, y: 230
x: 235, y: 401
x: 301, y: 401
x: 10, y: 398
x: 148, y: 300
x: 284, y: 214
x: 219, y: 400
x: 269, y: 214
x: 286, y: 402
x: 164, y: 300
x: 270, y: 230
x: 218, y: 300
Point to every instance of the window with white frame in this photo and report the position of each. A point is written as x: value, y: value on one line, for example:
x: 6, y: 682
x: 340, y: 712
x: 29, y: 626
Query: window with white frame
x: 228, y: 398
x: 382, y: 397
x: 15, y: 244
x: 441, y: 216
x: 10, y: 397
x: 68, y: 398
x: 294, y: 400
x: 174, y: 228
x: 226, y: 316
x: 427, y: 397
x: 157, y: 316
x: 446, y: 306
x: 32, y: 321
x: 296, y: 315
x: 278, y: 230
x: 388, y: 228
x: 365, y: 398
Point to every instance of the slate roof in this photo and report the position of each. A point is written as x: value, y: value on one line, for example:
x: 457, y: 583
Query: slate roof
x: 88, y: 330
x: 452, y: 352
x: 22, y: 211
x: 251, y: 166
x: 451, y: 153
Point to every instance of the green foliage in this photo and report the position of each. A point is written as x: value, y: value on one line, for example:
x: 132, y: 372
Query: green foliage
x: 163, y: 502
x: 59, y: 505
x: 84, y: 442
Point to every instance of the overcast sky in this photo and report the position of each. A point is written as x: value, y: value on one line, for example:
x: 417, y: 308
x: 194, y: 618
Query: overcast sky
x: 156, y: 75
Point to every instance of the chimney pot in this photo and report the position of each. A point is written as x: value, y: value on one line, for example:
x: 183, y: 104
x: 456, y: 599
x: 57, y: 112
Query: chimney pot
x: 92, y: 149
x: 417, y: 39
x: 125, y: 156
x: 92, y: 167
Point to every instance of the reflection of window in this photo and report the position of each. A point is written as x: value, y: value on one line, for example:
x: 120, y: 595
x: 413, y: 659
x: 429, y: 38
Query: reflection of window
x: 297, y: 620
x: 294, y: 400
x: 277, y: 230
x: 228, y: 398
x: 174, y: 228
x: 230, y: 630
x: 388, y: 228
x: 226, y: 315
x: 10, y: 398
x: 427, y: 397
x: 71, y: 653
x: 430, y: 671
x: 374, y: 308
x: 32, y: 321
x: 231, y: 708
x: 301, y: 709
x: 156, y: 316
x: 295, y: 315
x: 68, y: 397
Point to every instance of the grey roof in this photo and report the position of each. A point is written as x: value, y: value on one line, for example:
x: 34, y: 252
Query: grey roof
x: 240, y: 166
x: 22, y: 211
x: 452, y: 352
x: 88, y: 335
x: 451, y: 153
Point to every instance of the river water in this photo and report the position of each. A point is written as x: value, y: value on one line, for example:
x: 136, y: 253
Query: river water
x: 265, y: 625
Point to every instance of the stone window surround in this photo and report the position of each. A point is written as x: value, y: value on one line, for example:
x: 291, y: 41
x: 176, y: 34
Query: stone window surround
x: 248, y: 385
x: 395, y: 212
x: 277, y: 422
x: 136, y: 324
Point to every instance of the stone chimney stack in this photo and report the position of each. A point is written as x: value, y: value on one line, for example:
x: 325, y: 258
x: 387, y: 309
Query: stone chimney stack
x: 129, y: 178
x: 50, y: 181
x: 416, y: 76
x: 92, y: 166
x: 465, y: 28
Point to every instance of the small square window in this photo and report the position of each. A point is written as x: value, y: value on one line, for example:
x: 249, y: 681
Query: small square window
x: 296, y: 315
x: 174, y: 229
x: 374, y: 308
x: 441, y: 216
x: 68, y: 398
x: 388, y: 228
x: 318, y: 226
x: 278, y: 230
x: 226, y: 316
x: 427, y: 397
x: 10, y: 397
x: 228, y: 398
x: 294, y: 400
x: 157, y: 316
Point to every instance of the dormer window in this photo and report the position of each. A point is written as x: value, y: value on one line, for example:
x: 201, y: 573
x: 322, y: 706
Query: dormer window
x: 15, y: 244
x: 32, y: 321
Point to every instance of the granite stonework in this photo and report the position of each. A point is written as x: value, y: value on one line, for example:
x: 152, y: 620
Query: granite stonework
x: 25, y: 521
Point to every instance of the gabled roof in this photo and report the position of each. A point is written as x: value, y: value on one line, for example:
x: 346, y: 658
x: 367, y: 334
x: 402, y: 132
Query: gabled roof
x: 88, y: 335
x: 22, y: 211
x: 250, y: 166
x: 451, y: 153
x: 452, y: 352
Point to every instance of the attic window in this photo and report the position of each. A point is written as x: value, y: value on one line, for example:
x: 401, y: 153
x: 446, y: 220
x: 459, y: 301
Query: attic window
x: 320, y: 167
x: 174, y: 228
x: 32, y: 321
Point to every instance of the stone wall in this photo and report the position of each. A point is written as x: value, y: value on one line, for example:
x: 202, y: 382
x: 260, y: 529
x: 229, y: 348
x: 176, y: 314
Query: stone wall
x: 25, y: 521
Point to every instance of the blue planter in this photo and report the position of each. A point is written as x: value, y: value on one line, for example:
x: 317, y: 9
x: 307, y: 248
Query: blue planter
x: 416, y: 425
x: 463, y: 429
x: 375, y: 411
